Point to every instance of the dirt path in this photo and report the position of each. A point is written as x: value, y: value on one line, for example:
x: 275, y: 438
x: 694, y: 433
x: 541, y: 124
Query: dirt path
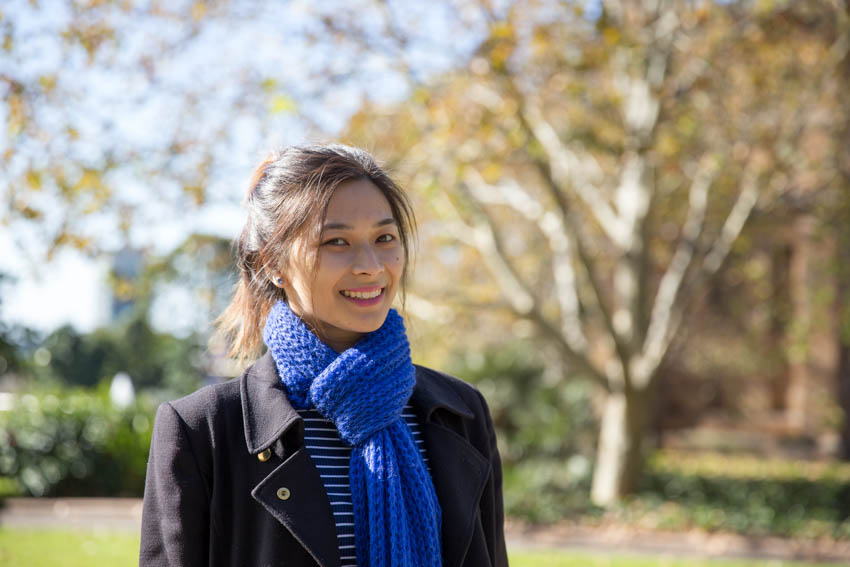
x: 625, y: 539
x: 126, y: 514
x: 83, y: 513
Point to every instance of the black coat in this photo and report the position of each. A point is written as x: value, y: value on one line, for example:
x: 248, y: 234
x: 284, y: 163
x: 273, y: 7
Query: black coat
x: 210, y: 500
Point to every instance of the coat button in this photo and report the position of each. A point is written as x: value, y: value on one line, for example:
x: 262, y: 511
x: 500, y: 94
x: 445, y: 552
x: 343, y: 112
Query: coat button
x: 283, y: 493
x: 265, y: 455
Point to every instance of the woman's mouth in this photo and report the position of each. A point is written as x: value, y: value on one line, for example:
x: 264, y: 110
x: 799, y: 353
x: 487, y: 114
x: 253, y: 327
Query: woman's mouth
x: 364, y: 296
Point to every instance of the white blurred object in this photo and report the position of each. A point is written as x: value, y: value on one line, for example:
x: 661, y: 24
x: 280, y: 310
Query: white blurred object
x: 121, y: 391
x: 7, y: 401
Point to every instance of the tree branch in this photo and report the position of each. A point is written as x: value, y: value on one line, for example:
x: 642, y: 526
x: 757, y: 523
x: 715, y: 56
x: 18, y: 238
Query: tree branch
x: 744, y: 204
x: 567, y: 170
x: 748, y: 197
x: 663, y: 315
x: 485, y: 238
x: 552, y: 227
x: 572, y: 223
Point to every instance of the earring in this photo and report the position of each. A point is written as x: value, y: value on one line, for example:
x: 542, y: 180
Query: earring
x: 279, y: 281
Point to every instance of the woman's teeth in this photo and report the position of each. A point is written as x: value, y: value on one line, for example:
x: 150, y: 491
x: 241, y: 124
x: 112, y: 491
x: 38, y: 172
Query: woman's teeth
x: 363, y: 294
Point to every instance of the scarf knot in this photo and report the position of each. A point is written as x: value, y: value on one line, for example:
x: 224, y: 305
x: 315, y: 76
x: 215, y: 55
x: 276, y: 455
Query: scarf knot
x: 363, y: 391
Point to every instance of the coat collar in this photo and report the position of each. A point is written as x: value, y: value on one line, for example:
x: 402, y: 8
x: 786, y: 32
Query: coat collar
x: 432, y: 393
x: 267, y: 413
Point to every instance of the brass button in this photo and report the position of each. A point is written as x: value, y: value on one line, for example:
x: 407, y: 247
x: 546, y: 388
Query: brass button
x: 265, y: 455
x: 283, y: 493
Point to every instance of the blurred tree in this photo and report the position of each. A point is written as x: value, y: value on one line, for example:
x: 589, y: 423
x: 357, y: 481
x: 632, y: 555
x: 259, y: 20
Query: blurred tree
x: 122, y: 114
x: 189, y: 287
x: 14, y: 339
x: 841, y: 224
x: 603, y: 166
x: 776, y: 288
x: 154, y: 360
x: 74, y: 358
x: 842, y: 258
x: 160, y: 338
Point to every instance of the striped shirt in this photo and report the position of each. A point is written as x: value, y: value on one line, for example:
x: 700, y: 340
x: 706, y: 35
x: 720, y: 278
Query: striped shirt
x: 331, y: 456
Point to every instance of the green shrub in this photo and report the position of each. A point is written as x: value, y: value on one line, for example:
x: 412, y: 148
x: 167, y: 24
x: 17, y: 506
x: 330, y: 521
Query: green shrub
x: 545, y: 490
x: 75, y: 443
x: 545, y: 428
x: 155, y: 360
x: 537, y: 413
x: 747, y: 495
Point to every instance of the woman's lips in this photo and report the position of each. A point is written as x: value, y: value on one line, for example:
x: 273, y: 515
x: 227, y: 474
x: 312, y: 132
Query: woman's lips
x: 364, y: 296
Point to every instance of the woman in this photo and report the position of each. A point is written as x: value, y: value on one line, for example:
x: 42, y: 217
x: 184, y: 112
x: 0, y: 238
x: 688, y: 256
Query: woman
x: 332, y: 449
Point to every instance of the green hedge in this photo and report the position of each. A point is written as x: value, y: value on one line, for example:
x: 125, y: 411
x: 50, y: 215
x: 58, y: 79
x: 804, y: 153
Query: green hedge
x: 74, y: 443
x: 545, y: 490
x: 683, y: 491
x: 746, y: 494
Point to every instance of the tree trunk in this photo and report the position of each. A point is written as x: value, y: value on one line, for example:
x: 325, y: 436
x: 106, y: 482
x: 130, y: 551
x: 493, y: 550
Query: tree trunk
x: 779, y: 322
x: 798, y: 343
x: 842, y: 257
x: 844, y: 394
x: 618, y: 456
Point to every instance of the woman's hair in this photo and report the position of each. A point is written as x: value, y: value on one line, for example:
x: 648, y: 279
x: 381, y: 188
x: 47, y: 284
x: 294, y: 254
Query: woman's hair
x: 287, y: 194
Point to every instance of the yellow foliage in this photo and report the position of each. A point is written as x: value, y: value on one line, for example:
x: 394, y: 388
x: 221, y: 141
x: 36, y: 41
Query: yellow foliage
x: 90, y: 37
x: 17, y: 115
x: 34, y: 179
x: 611, y: 35
x: 282, y: 104
x: 47, y: 82
x: 26, y: 211
x: 666, y: 144
x: 196, y: 192
x: 502, y: 30
x: 540, y: 42
x: 124, y: 289
x: 765, y: 6
x: 199, y: 10
x: 90, y: 179
x: 492, y: 172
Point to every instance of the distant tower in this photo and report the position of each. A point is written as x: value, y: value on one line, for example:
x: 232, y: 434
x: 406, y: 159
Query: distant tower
x: 126, y: 268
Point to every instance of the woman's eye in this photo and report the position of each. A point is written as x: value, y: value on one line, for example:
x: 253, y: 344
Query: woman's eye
x: 386, y: 238
x: 335, y: 241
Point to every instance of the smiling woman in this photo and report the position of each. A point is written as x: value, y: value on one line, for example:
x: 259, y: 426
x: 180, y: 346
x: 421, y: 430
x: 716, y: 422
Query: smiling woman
x: 344, y: 287
x: 333, y: 448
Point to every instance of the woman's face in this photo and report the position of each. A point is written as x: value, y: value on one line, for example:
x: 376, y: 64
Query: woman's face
x: 343, y: 285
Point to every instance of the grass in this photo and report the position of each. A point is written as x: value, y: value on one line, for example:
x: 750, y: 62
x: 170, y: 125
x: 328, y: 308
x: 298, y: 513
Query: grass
x: 588, y: 559
x: 48, y: 547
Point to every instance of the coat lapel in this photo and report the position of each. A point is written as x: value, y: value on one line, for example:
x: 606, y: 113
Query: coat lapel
x: 458, y: 470
x: 293, y: 492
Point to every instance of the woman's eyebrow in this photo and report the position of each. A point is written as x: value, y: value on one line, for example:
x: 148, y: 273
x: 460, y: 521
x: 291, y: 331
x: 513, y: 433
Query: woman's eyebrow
x: 343, y: 226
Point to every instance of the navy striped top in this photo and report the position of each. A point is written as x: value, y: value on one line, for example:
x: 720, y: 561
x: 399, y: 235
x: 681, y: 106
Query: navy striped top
x: 331, y: 456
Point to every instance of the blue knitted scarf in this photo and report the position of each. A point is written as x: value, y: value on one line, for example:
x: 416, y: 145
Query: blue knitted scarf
x: 363, y: 391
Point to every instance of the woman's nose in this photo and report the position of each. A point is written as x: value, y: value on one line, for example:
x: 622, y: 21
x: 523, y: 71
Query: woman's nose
x: 367, y: 261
